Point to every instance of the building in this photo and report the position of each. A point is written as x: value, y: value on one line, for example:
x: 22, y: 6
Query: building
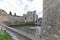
x: 14, y: 20
x: 3, y: 15
x: 30, y: 16
x: 10, y: 19
x: 51, y: 20
x: 17, y: 20
x: 39, y: 21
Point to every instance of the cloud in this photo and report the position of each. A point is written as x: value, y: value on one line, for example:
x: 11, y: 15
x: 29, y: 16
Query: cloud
x: 22, y: 6
x: 30, y: 0
x: 35, y: 5
x: 1, y: 0
x: 12, y: 6
x: 40, y: 14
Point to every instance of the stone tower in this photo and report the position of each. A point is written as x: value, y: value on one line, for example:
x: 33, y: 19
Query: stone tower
x: 3, y: 15
x: 51, y: 20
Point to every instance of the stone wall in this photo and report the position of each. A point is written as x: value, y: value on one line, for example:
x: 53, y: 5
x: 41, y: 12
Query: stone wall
x: 14, y: 20
x: 31, y: 16
x: 3, y: 15
x: 10, y: 19
x: 51, y: 20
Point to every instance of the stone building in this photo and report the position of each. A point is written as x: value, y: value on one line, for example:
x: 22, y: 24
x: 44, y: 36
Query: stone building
x: 51, y: 20
x: 10, y: 19
x: 30, y: 16
x: 14, y: 20
x: 39, y: 21
x: 17, y: 20
x: 3, y: 15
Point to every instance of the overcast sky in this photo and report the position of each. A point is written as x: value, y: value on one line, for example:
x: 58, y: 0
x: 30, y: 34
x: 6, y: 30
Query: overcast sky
x: 20, y: 7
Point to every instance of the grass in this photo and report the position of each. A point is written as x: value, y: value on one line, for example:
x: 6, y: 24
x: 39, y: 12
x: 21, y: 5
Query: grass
x: 4, y: 35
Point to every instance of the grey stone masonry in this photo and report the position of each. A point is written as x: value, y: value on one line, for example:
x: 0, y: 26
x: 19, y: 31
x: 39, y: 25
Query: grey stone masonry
x: 51, y: 20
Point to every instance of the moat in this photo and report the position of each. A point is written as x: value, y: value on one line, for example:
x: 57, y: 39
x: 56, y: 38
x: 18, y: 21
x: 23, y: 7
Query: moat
x: 35, y: 30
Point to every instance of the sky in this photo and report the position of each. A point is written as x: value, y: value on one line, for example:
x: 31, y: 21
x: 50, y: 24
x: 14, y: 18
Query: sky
x: 21, y: 7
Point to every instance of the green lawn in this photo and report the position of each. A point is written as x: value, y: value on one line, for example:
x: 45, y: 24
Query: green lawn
x: 4, y: 35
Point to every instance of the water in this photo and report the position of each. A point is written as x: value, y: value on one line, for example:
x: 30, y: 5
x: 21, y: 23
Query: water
x: 35, y: 30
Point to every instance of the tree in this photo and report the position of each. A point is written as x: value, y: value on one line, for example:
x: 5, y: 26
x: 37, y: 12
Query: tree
x: 14, y: 14
x: 10, y: 13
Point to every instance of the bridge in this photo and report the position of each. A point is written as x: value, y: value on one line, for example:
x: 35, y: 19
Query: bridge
x: 25, y: 35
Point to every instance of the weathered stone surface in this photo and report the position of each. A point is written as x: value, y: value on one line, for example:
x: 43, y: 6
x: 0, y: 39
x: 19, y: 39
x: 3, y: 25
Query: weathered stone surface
x: 51, y: 20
